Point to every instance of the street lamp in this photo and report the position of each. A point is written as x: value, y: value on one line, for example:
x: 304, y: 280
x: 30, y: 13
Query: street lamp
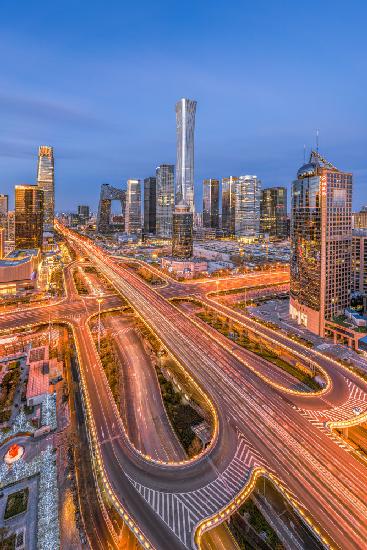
x: 99, y: 300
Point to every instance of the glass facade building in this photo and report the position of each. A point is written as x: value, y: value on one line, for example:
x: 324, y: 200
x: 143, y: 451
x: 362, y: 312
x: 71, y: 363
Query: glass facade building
x: 211, y: 203
x: 83, y: 213
x: 273, y: 212
x: 241, y: 206
x: 185, y: 127
x: 165, y: 195
x: 45, y: 181
x: 133, y: 208
x: 29, y: 204
x: 321, y: 240
x: 182, y: 238
x: 4, y: 206
x: 150, y: 205
x: 107, y: 195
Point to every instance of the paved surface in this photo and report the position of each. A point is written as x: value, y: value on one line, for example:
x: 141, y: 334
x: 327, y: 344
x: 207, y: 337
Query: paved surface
x: 323, y: 477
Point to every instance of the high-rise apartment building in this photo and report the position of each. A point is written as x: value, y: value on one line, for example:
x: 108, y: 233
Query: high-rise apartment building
x: 211, y: 203
x: 29, y: 201
x: 182, y: 234
x: 321, y: 242
x: 150, y: 205
x: 2, y: 242
x: 185, y: 127
x: 273, y: 212
x: 165, y: 193
x: 241, y: 206
x: 83, y: 213
x: 45, y: 181
x: 133, y: 208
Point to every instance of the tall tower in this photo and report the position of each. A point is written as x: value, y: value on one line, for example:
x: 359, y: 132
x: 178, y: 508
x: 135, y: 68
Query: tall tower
x: 133, y: 208
x: 165, y: 199
x: 273, y: 212
x: 211, y: 203
x: 185, y: 126
x: 45, y: 181
x: 29, y: 211
x: 321, y: 243
x: 241, y: 206
x: 150, y: 205
x: 4, y: 207
x: 182, y: 237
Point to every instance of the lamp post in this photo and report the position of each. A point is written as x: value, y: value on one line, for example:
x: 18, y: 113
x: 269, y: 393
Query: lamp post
x: 99, y: 300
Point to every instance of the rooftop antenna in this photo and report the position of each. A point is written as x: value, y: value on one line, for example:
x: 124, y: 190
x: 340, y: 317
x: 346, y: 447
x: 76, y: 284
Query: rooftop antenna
x: 317, y: 140
x: 304, y: 154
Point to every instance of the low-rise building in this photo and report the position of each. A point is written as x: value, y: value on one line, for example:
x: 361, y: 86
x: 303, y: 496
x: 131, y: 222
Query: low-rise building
x: 42, y: 370
x: 184, y: 268
x: 18, y: 272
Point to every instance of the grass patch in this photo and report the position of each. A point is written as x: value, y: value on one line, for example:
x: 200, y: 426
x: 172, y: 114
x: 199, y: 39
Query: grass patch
x: 259, y: 523
x: 80, y: 283
x: 240, y: 336
x: 111, y: 367
x: 182, y: 417
x: 16, y: 503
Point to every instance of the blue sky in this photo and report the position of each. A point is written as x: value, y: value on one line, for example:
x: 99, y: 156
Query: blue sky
x: 99, y: 82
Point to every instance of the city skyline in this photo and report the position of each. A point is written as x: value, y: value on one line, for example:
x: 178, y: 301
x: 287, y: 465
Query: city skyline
x: 252, y: 117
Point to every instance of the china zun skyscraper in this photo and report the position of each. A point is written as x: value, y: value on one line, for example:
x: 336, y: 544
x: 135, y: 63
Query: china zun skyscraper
x: 185, y: 127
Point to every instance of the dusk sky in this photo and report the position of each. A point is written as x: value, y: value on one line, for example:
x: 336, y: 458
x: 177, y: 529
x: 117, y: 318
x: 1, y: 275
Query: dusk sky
x: 99, y: 80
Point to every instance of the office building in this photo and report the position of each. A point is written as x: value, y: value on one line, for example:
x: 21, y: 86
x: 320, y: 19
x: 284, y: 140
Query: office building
x: 83, y: 213
x: 211, y: 203
x: 4, y: 206
x: 321, y: 241
x: 241, y: 206
x: 11, y: 226
x: 359, y: 219
x: 165, y: 195
x: 359, y: 261
x: 185, y: 127
x: 107, y: 195
x: 133, y: 208
x: 18, y: 272
x: 45, y: 181
x: 2, y: 243
x: 273, y: 212
x: 182, y: 237
x: 150, y: 205
x: 29, y: 201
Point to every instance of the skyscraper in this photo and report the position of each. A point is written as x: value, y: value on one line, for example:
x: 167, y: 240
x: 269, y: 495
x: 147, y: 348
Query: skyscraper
x: 133, y: 208
x: 45, y: 181
x: 241, y: 206
x: 11, y: 226
x: 4, y: 206
x: 29, y: 201
x: 83, y: 213
x: 165, y: 199
x: 273, y: 212
x: 321, y: 239
x: 185, y: 126
x: 211, y: 203
x: 182, y: 236
x: 150, y: 205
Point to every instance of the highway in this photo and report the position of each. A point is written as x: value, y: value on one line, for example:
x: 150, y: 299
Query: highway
x: 326, y: 480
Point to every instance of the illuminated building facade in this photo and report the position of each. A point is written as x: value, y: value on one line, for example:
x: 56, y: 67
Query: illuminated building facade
x: 4, y: 206
x: 133, y: 208
x: 273, y: 212
x: 150, y: 205
x: 29, y: 201
x: 241, y: 206
x: 359, y: 219
x: 11, y: 226
x: 321, y: 242
x: 165, y: 176
x: 107, y: 195
x: 45, y: 181
x: 185, y: 127
x: 211, y: 203
x: 359, y: 261
x: 83, y: 213
x: 182, y: 238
